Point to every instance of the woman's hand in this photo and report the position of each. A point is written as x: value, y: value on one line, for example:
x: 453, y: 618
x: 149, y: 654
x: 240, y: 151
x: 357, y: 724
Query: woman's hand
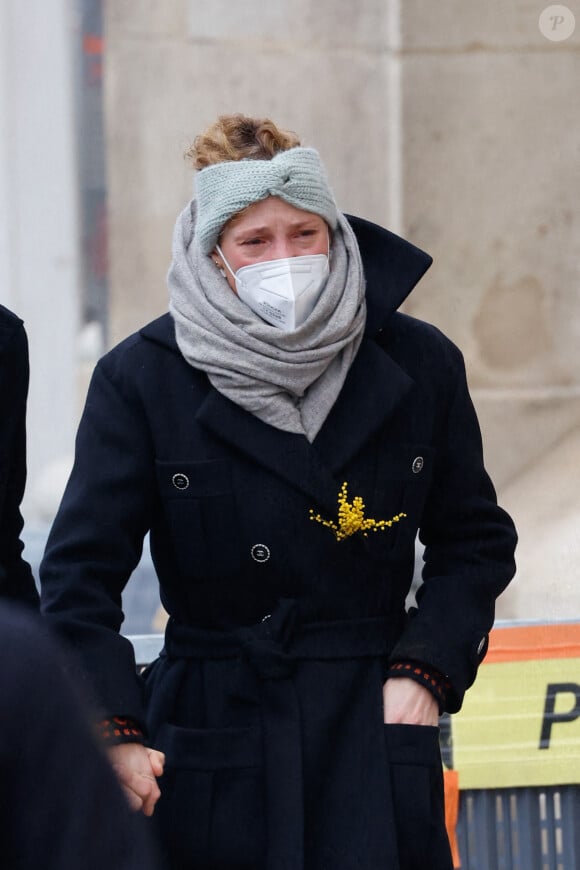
x: 137, y: 768
x: 406, y: 702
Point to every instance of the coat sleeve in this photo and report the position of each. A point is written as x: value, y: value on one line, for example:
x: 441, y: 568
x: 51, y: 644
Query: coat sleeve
x: 97, y: 538
x: 16, y: 581
x: 469, y: 549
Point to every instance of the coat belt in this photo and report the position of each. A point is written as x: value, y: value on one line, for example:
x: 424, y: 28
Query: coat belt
x: 268, y: 653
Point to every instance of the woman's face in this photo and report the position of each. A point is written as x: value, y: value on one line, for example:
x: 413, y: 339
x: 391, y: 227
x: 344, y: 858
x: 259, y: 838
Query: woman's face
x: 270, y: 230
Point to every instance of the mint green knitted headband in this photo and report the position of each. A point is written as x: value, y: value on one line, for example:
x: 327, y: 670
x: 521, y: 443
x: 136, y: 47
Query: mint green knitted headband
x: 223, y: 189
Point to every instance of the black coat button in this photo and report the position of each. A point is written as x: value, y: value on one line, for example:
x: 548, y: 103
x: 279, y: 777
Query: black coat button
x: 260, y: 553
x: 418, y: 463
x: 180, y: 481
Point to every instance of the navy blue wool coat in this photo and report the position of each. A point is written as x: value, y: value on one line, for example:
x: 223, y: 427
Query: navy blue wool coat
x: 16, y: 581
x: 268, y: 696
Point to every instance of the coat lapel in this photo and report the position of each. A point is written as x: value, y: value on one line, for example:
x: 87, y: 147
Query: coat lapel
x: 286, y: 454
x: 374, y: 387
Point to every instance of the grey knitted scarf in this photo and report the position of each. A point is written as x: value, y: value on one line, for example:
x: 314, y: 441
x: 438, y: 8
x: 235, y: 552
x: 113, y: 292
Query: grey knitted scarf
x: 290, y: 380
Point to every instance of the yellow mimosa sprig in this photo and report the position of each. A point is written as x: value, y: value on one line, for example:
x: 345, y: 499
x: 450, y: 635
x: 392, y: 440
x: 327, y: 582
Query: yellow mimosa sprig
x: 351, y: 517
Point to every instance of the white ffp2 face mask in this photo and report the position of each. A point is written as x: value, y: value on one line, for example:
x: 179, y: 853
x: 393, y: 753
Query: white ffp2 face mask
x: 282, y: 292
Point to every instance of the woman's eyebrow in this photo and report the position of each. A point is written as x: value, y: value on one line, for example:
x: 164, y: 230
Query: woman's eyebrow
x: 256, y: 230
x: 251, y: 231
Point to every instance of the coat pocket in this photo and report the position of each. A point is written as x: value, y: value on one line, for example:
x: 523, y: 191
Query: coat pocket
x: 418, y: 798
x: 200, y: 510
x: 211, y: 808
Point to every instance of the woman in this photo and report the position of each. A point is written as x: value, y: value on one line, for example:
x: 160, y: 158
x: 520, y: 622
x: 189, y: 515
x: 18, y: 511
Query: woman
x: 283, y: 434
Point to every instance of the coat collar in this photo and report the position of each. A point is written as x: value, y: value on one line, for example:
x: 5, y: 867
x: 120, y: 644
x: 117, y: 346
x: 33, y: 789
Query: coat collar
x: 392, y: 268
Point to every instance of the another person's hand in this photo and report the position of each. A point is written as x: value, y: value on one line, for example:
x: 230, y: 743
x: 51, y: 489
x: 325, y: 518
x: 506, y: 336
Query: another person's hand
x: 408, y: 703
x: 137, y: 768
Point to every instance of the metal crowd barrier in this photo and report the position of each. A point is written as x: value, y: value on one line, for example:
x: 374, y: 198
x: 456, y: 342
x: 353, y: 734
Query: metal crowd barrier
x: 520, y: 829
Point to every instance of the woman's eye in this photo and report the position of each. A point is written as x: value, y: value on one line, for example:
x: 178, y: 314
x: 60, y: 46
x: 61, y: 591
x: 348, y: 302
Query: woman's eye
x: 253, y: 242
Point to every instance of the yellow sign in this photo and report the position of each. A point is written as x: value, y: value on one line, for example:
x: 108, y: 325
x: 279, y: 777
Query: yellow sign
x: 520, y: 723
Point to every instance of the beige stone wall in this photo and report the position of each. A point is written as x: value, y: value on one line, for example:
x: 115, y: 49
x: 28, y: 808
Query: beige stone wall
x: 491, y: 126
x: 456, y: 124
x: 319, y: 68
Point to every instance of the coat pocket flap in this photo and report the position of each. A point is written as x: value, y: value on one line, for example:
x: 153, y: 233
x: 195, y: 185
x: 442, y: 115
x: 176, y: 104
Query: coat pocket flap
x: 413, y: 744
x: 212, y: 477
x: 409, y: 462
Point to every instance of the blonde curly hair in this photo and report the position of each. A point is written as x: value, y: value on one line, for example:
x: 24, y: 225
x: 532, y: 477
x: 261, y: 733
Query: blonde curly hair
x: 239, y: 137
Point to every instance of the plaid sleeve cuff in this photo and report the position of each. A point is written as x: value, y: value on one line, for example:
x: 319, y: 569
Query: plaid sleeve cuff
x: 426, y: 676
x: 119, y: 729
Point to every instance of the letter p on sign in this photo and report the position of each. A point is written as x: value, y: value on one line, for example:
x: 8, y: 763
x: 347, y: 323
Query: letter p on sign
x: 550, y: 717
